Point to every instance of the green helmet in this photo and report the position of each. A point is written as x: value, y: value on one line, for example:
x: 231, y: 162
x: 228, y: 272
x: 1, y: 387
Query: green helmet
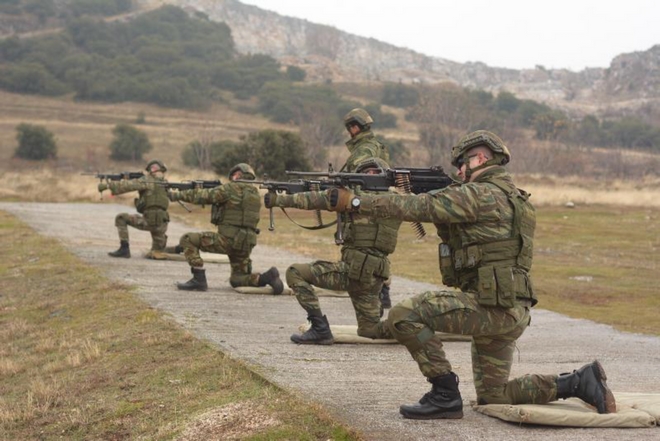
x: 157, y: 162
x: 378, y: 163
x: 501, y: 154
x: 359, y: 116
x: 248, y: 172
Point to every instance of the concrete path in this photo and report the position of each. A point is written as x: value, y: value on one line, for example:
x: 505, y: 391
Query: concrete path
x: 362, y: 385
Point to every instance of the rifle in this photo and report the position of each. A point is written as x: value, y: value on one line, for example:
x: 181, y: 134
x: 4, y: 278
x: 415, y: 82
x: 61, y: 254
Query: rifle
x: 115, y: 176
x: 190, y: 185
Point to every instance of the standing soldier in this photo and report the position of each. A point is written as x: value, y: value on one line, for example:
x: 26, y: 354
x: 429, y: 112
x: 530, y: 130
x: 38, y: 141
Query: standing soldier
x: 363, y: 267
x: 487, y: 228
x: 151, y: 203
x: 362, y: 146
x: 235, y: 210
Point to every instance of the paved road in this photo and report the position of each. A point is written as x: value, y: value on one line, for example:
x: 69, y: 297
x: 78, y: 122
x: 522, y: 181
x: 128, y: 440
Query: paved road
x: 362, y: 385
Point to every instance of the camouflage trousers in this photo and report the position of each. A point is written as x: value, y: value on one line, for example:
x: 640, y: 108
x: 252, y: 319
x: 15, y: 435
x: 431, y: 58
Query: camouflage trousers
x: 158, y: 236
x: 210, y: 242
x: 302, y: 277
x: 415, y: 321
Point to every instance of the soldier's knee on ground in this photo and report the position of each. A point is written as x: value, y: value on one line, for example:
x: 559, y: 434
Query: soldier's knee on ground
x: 369, y: 331
x: 185, y: 241
x: 493, y: 395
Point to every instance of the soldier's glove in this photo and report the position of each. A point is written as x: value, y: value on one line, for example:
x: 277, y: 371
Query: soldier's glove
x: 270, y: 200
x: 102, y: 187
x: 173, y: 195
x: 340, y: 200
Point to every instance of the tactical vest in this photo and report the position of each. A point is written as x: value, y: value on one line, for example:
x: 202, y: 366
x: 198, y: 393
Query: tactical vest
x: 497, y: 271
x: 242, y: 208
x: 380, y: 234
x: 153, y: 198
x: 365, y: 146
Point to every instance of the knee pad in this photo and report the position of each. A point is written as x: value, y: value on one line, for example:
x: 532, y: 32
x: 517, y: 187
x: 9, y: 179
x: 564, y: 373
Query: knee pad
x: 293, y: 274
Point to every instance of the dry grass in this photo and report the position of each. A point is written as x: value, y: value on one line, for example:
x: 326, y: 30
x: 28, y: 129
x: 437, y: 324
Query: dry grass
x: 82, y: 358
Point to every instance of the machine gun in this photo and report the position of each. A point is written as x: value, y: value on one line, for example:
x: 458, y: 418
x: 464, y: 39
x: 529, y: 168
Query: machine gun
x: 406, y: 179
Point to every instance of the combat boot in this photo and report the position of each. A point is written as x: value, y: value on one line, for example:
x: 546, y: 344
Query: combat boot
x: 588, y: 384
x: 272, y: 278
x: 442, y: 402
x: 197, y: 283
x: 384, y: 296
x: 123, y: 251
x: 178, y: 249
x: 318, y: 334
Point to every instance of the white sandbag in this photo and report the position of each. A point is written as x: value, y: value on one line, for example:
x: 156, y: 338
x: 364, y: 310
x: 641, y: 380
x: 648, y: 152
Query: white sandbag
x: 207, y: 257
x: 267, y: 290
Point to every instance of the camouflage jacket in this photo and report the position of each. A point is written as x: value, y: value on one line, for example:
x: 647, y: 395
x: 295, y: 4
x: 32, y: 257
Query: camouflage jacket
x: 234, y: 203
x: 151, y: 195
x: 368, y: 234
x: 362, y: 147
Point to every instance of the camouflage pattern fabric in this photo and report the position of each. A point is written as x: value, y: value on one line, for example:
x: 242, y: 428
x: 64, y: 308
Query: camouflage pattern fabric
x: 158, y: 236
x: 210, y: 242
x: 155, y: 219
x: 363, y: 290
x: 480, y: 213
x: 364, y: 146
x: 231, y: 197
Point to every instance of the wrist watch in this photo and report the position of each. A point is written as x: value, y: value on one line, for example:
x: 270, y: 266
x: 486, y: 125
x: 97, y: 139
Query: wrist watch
x: 355, y: 203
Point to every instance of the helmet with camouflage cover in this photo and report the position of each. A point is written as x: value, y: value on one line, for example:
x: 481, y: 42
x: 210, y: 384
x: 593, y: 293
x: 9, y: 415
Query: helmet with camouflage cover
x: 359, y: 116
x: 158, y: 162
x: 248, y: 172
x: 377, y: 163
x: 501, y: 154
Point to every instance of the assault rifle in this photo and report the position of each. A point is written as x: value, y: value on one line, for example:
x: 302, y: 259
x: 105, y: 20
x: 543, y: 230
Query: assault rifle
x: 115, y: 176
x: 190, y: 185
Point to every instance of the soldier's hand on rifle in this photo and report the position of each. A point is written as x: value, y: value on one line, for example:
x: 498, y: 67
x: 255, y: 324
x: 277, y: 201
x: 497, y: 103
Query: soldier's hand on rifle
x: 270, y: 200
x: 341, y: 200
x: 102, y: 187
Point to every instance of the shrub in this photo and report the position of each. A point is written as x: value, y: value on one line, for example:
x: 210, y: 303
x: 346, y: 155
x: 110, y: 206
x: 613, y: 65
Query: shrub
x: 129, y: 143
x: 35, y: 142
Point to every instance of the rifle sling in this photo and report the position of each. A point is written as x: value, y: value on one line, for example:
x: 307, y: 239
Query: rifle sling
x: 316, y: 227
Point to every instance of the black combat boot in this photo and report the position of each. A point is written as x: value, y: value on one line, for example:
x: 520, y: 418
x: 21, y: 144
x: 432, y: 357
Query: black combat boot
x: 197, y: 283
x: 318, y: 334
x: 272, y: 278
x: 178, y: 249
x: 588, y: 384
x: 123, y: 251
x: 384, y: 296
x: 442, y: 402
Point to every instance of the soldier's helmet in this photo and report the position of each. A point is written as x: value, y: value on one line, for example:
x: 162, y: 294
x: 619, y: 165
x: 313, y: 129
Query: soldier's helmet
x: 248, y: 172
x: 485, y: 138
x: 359, y: 116
x: 159, y: 163
x: 377, y: 163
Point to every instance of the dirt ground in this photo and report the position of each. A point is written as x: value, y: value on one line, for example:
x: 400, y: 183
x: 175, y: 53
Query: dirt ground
x: 362, y: 385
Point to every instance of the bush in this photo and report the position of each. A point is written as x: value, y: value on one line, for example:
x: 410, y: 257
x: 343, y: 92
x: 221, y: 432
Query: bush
x: 202, y: 155
x: 129, y: 143
x: 268, y: 151
x: 400, y: 95
x: 294, y: 73
x: 34, y: 142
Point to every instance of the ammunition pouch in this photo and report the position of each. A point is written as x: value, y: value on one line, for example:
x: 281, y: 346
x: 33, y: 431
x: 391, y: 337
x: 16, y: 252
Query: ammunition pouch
x: 140, y: 204
x: 216, y: 214
x: 156, y: 218
x: 244, y: 239
x: 502, y: 286
x: 364, y: 268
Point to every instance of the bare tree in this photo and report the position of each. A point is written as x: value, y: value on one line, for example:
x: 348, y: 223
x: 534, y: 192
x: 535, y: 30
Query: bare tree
x: 443, y: 114
x: 201, y: 147
x: 319, y: 129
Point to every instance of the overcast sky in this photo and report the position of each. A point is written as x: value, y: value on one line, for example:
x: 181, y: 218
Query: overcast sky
x: 571, y: 34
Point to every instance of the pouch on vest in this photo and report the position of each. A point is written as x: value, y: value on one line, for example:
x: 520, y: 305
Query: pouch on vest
x: 244, y: 240
x: 487, y: 286
x: 216, y: 214
x: 156, y: 218
x: 506, y: 296
x: 446, y: 265
x: 140, y: 204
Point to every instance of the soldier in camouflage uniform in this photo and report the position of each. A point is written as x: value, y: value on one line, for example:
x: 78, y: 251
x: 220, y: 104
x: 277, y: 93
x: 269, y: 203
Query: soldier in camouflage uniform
x: 487, y: 229
x: 235, y: 210
x: 362, y: 146
x: 363, y: 268
x: 151, y: 203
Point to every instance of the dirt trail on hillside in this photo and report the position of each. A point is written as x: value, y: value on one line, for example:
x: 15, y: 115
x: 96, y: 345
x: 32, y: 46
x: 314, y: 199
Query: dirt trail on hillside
x: 362, y: 385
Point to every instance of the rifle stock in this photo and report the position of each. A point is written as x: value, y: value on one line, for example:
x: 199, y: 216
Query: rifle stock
x: 115, y: 176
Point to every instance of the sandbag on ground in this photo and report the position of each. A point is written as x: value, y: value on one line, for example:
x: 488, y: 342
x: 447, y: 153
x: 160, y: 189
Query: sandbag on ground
x: 348, y: 334
x: 207, y: 257
x: 633, y: 411
x: 267, y: 290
